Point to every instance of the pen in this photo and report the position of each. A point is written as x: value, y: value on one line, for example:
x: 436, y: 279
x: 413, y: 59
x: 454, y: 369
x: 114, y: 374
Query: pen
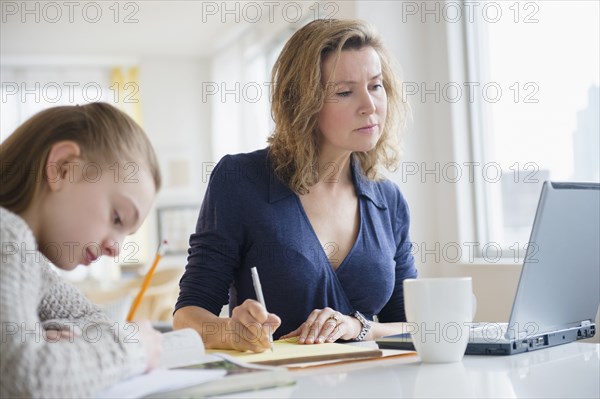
x: 159, y: 253
x: 259, y: 296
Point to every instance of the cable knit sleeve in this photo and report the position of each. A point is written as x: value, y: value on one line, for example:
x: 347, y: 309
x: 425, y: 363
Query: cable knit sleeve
x: 65, y: 303
x: 32, y: 299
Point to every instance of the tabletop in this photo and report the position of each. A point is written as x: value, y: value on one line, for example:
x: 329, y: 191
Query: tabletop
x: 571, y: 370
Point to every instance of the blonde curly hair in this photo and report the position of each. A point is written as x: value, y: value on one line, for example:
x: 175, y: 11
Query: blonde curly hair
x: 298, y: 96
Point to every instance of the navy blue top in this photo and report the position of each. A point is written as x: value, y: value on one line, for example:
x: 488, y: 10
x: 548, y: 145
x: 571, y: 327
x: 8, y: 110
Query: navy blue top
x: 250, y: 218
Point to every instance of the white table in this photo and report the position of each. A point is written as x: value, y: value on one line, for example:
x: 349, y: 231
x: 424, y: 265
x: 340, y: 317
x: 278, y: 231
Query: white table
x: 565, y: 371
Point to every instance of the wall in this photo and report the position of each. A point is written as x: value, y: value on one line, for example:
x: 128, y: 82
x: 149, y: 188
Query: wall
x: 179, y: 124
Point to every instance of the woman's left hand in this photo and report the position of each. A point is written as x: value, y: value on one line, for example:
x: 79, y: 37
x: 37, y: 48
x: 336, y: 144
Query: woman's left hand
x: 325, y: 325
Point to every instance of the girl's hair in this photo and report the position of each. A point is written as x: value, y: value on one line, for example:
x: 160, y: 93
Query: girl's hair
x: 298, y: 96
x: 104, y: 134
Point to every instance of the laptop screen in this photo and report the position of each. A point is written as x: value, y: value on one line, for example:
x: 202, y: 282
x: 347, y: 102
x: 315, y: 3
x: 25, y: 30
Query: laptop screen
x: 560, y: 280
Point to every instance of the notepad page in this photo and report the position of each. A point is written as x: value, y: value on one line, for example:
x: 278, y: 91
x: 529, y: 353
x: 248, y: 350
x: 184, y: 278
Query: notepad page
x: 290, y: 350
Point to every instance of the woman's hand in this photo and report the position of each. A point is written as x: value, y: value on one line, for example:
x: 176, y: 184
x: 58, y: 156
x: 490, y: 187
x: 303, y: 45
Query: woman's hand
x: 251, y: 327
x: 326, y: 325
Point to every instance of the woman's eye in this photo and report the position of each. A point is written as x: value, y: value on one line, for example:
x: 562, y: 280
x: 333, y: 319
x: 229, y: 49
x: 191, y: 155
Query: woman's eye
x: 377, y: 86
x: 344, y: 93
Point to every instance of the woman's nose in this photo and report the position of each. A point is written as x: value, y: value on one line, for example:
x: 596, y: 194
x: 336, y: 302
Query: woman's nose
x: 367, y: 106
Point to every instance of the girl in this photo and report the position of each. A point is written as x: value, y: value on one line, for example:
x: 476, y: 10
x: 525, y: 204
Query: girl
x: 75, y: 180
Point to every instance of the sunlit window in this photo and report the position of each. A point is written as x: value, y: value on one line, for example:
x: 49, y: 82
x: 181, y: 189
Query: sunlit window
x: 538, y: 118
x: 28, y: 89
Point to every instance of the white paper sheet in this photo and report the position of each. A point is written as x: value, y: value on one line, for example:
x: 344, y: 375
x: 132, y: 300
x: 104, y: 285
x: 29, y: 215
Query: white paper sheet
x: 160, y: 380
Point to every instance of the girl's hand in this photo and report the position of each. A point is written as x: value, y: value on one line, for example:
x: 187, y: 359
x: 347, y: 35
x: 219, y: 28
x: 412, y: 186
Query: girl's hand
x: 151, y: 339
x: 326, y: 325
x: 59, y: 335
x: 251, y: 327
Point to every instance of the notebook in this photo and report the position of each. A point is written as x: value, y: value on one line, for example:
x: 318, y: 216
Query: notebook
x: 559, y: 289
x: 288, y: 351
x: 186, y: 370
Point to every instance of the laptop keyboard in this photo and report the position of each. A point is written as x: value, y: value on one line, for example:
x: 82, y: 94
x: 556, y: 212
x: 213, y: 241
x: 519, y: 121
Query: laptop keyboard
x: 489, y: 331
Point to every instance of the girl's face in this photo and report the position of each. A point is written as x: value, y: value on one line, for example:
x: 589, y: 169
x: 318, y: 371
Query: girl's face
x: 89, y: 211
x: 355, y: 108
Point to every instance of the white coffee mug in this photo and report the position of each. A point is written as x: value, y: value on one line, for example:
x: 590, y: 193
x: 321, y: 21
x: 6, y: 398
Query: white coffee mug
x: 439, y: 312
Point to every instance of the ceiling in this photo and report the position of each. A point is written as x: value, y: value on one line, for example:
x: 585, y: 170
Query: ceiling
x: 153, y: 28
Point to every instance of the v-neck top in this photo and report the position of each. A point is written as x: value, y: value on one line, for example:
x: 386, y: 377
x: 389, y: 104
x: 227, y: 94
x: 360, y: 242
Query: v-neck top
x: 249, y: 218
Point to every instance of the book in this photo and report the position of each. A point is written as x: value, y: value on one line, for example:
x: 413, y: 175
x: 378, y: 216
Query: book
x: 186, y: 370
x: 159, y: 381
x: 239, y: 377
x: 290, y: 352
x: 181, y: 348
x: 386, y: 354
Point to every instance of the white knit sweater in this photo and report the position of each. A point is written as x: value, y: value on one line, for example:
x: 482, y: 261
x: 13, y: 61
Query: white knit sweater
x: 34, y: 298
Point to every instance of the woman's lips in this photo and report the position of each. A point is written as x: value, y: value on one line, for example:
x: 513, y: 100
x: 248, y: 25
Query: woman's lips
x: 367, y: 129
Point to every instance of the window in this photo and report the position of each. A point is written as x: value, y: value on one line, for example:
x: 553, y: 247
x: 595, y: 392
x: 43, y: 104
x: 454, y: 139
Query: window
x: 27, y: 90
x: 239, y: 92
x: 536, y: 115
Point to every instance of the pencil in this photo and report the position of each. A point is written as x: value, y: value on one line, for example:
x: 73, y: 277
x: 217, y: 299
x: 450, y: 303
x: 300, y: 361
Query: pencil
x: 260, y: 296
x: 136, y: 303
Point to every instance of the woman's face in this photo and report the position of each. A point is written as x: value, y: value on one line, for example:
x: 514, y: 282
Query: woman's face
x: 355, y: 108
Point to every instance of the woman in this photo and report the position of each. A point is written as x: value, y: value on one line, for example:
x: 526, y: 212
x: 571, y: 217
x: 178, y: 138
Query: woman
x: 327, y: 234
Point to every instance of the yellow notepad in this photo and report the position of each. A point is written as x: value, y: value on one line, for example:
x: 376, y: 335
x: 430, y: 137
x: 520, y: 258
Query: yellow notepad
x: 289, y: 351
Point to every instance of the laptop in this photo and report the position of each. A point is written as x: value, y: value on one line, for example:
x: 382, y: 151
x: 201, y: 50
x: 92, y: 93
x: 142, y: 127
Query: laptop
x: 559, y: 289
